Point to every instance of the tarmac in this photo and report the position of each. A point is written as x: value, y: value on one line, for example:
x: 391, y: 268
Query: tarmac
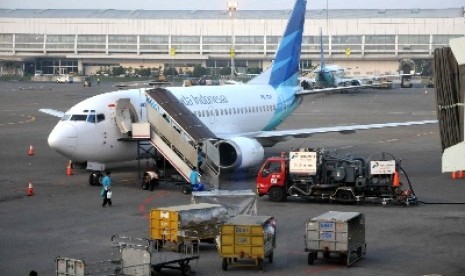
x: 64, y: 216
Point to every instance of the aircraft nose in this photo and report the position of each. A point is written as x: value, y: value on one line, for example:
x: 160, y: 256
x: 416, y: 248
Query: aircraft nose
x: 63, y: 138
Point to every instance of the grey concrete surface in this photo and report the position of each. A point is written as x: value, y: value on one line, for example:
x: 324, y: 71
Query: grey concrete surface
x: 64, y: 217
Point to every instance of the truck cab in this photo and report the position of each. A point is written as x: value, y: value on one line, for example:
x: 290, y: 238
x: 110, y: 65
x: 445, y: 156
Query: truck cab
x: 283, y: 176
x: 272, y: 177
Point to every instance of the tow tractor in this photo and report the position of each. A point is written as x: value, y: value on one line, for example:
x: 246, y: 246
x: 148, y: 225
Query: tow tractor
x: 321, y: 175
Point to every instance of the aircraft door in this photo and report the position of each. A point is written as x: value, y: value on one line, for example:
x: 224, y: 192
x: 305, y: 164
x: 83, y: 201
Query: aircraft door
x: 125, y: 115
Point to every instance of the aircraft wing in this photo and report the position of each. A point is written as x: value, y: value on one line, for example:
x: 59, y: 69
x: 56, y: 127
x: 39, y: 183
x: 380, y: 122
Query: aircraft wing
x: 332, y: 89
x: 306, y: 132
x: 52, y: 112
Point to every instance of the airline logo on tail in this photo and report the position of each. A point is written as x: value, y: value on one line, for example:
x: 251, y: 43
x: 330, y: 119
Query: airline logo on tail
x: 285, y: 68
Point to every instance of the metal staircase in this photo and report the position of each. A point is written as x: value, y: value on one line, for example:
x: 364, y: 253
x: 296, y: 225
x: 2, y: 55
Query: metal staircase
x: 181, y: 137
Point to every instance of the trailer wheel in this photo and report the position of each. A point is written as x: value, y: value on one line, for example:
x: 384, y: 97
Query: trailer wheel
x: 276, y: 194
x: 186, y: 269
x: 345, y: 197
x: 224, y: 264
x: 94, y: 179
x: 261, y: 264
x: 311, y: 258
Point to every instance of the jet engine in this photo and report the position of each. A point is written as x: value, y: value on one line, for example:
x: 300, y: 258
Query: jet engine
x: 239, y: 153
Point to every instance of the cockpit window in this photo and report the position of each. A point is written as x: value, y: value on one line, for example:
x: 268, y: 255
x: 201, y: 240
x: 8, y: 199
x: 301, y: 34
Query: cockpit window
x: 91, y: 118
x: 78, y: 117
x: 100, y: 118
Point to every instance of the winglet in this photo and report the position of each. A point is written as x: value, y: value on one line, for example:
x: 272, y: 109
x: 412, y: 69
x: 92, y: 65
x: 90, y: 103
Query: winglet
x: 285, y: 67
x: 52, y: 112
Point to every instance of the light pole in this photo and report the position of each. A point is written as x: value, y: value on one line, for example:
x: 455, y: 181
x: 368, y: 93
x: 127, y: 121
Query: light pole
x: 232, y: 7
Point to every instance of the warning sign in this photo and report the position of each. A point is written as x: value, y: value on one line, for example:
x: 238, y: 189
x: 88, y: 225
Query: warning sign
x: 383, y: 167
x: 301, y: 162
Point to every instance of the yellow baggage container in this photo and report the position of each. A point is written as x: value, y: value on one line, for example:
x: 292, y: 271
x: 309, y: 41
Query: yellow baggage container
x: 193, y: 221
x: 251, y: 238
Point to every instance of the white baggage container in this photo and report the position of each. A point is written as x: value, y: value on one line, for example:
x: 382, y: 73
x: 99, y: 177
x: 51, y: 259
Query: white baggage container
x: 341, y: 233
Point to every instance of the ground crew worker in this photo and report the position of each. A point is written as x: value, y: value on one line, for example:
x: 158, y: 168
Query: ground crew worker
x: 195, y: 180
x: 106, y: 183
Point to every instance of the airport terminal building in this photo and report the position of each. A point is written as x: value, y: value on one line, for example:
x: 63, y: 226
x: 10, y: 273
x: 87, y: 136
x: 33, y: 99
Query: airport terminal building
x: 86, y: 41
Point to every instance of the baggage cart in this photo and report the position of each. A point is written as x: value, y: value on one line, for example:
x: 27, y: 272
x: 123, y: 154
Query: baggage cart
x: 336, y: 233
x: 135, y: 257
x: 176, y: 225
x: 247, y: 240
x: 142, y: 257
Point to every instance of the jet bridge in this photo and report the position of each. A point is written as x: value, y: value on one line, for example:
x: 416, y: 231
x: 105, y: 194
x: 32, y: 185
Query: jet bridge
x: 180, y: 136
x: 449, y: 71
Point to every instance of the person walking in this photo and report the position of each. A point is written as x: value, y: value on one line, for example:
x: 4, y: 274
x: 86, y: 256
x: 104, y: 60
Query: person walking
x: 106, y: 191
x: 98, y: 81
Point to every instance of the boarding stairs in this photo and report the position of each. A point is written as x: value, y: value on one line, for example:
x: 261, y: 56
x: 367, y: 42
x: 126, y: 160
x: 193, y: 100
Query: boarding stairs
x: 181, y: 137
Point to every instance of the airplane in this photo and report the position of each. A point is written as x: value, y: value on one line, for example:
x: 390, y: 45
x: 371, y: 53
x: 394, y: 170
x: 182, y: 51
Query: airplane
x: 330, y: 78
x: 244, y: 116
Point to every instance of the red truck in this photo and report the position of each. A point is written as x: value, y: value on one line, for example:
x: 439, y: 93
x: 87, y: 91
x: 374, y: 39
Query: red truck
x: 320, y: 175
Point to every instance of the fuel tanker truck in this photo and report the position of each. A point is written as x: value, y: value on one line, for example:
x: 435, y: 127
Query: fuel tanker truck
x: 321, y: 175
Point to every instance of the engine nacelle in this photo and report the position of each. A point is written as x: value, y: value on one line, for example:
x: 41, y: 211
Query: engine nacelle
x: 239, y: 153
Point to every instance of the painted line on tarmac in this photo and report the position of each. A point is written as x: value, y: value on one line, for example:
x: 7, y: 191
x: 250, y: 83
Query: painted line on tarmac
x: 150, y: 199
x: 29, y: 119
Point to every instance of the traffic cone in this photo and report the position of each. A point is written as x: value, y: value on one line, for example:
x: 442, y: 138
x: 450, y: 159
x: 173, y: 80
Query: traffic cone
x: 69, y: 168
x: 30, y: 189
x: 395, y: 180
x: 31, y: 150
x: 454, y: 175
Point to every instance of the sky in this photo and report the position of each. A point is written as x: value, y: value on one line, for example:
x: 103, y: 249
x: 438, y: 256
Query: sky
x: 222, y: 4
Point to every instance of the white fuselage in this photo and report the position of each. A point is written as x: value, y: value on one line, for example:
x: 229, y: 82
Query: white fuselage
x: 88, y: 131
